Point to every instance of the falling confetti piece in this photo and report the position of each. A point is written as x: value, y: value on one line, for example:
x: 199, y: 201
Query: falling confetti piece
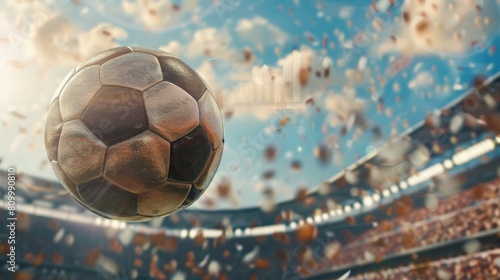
x: 284, y: 121
x: 251, y: 256
x: 17, y: 114
x: 270, y: 153
x: 306, y: 233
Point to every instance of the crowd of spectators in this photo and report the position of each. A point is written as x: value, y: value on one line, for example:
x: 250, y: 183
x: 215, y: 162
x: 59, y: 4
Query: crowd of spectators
x: 463, y: 215
x: 479, y: 266
x: 160, y: 256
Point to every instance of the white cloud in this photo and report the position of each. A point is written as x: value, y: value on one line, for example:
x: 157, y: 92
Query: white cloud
x: 343, y: 107
x: 260, y: 31
x: 53, y: 43
x: 101, y: 37
x: 58, y: 42
x: 346, y: 12
x: 214, y: 44
x: 209, y: 41
x: 43, y: 35
x: 206, y: 71
x: 172, y: 47
x: 442, y: 27
x: 422, y: 79
x: 159, y: 14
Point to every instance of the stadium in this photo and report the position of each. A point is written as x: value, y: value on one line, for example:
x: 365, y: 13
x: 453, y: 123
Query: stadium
x: 415, y: 195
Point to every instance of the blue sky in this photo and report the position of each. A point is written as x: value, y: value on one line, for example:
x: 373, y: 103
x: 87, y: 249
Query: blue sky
x: 306, y: 129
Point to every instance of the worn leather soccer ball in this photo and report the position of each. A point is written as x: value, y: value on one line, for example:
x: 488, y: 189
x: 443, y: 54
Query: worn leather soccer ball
x: 134, y: 133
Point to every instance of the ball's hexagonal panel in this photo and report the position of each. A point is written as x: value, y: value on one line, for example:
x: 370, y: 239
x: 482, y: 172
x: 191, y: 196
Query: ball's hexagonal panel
x: 115, y: 114
x: 134, y: 218
x: 135, y: 70
x: 154, y: 52
x: 107, y: 198
x: 81, y: 154
x: 65, y: 181
x: 193, y: 195
x: 61, y: 85
x: 78, y: 92
x: 103, y: 56
x: 210, y: 169
x: 211, y: 119
x: 172, y: 113
x: 162, y: 200
x: 181, y: 75
x: 53, y: 127
x: 140, y: 163
x: 189, y: 156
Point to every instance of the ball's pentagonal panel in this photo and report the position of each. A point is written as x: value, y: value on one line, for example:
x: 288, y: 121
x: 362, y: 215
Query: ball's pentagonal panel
x: 103, y: 56
x: 53, y: 127
x: 107, y: 198
x: 81, y: 153
x: 115, y: 114
x: 172, y: 113
x: 135, y: 70
x: 193, y: 195
x: 154, y: 52
x: 189, y: 156
x: 162, y: 200
x: 65, y: 181
x: 61, y: 85
x: 78, y: 92
x: 211, y: 167
x: 140, y: 163
x: 211, y: 119
x: 180, y: 74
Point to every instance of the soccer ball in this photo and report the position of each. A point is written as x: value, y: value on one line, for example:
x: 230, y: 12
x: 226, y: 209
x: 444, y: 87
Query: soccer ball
x: 134, y: 133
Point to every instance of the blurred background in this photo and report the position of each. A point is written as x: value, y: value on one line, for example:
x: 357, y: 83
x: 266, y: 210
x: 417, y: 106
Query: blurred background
x: 361, y: 140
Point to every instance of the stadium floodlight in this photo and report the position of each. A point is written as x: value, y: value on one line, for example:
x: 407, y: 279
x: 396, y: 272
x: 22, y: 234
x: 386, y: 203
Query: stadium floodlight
x: 474, y: 151
x: 368, y: 201
x: 394, y: 189
x: 309, y: 220
x: 267, y: 230
x: 247, y: 231
x: 357, y: 205
x: 403, y: 185
x: 106, y: 222
x: 448, y: 164
x: 293, y: 225
x: 184, y: 233
x: 339, y: 212
x: 426, y: 174
x: 347, y: 208
x: 386, y: 193
x: 317, y: 218
x: 238, y: 232
x: 325, y: 216
x: 193, y: 232
x: 497, y: 139
x: 376, y: 197
x: 115, y: 224
x: 212, y: 233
